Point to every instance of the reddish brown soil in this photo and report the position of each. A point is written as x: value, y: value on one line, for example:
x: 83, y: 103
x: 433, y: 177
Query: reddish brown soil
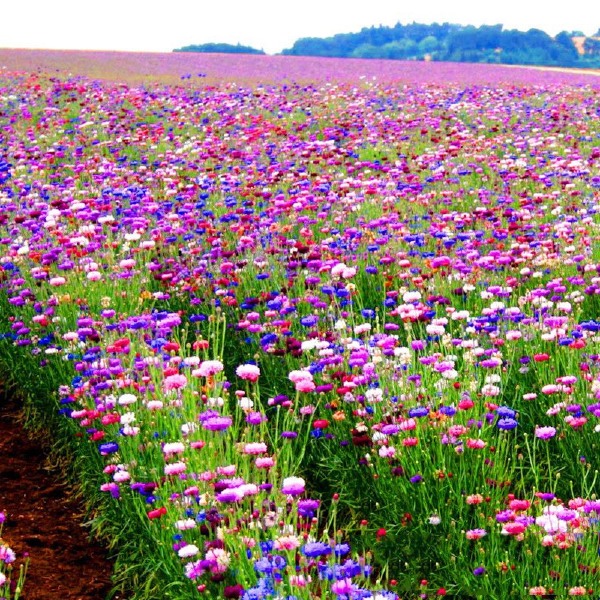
x: 44, y: 520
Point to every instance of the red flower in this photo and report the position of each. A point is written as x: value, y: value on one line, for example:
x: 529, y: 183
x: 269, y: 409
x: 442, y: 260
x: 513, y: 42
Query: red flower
x: 157, y: 513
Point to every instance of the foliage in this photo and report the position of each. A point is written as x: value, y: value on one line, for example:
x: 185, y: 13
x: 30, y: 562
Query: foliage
x: 221, y: 48
x: 449, y: 42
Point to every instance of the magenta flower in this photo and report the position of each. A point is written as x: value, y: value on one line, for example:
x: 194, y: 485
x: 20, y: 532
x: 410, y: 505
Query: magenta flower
x: 217, y: 423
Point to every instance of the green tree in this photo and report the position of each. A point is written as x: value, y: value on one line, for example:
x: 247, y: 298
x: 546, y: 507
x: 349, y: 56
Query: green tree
x: 428, y: 45
x: 401, y: 49
x: 366, y: 51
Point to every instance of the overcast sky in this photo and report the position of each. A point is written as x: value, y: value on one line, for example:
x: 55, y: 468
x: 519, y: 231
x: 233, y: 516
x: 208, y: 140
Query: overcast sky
x: 162, y: 25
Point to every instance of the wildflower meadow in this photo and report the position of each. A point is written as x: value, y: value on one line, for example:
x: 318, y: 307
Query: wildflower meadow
x: 314, y: 338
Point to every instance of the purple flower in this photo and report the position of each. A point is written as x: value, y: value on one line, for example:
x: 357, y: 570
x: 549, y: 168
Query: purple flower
x: 417, y: 345
x: 390, y: 429
x: 547, y: 496
x: 307, y: 507
x: 418, y: 411
x: 545, y: 433
x: 592, y: 506
x: 314, y: 549
x: 506, y: 424
x: 309, y: 321
x: 255, y: 418
x: 217, y: 423
x: 505, y: 412
x: 341, y: 549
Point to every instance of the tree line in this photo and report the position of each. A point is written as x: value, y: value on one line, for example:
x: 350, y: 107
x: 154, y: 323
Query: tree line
x: 443, y: 42
x: 459, y: 43
x: 220, y: 48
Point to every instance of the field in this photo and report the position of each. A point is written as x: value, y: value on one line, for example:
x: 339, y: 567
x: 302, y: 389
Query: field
x: 310, y: 328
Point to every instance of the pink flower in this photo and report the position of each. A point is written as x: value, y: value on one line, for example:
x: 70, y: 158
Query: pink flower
x: 575, y: 422
x: 517, y: 504
x: 457, y: 430
x: 300, y: 581
x: 475, y: 534
x: 300, y: 375
x: 387, y: 452
x: 171, y: 448
x: 248, y: 372
x: 208, y: 368
x: 227, y: 470
x: 127, y: 263
x: 175, y: 468
x: 218, y: 559
x: 476, y: 443
x: 577, y: 591
x: 474, y: 499
x: 174, y: 382
x: 545, y: 433
x: 538, y: 590
x: 514, y: 528
x: 551, y: 388
x: 343, y: 586
x: 255, y: 448
x: 287, y: 542
x: 305, y: 385
x: 264, y: 462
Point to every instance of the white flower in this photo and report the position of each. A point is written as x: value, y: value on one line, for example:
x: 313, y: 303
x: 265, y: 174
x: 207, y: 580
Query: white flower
x: 188, y: 550
x: 125, y: 399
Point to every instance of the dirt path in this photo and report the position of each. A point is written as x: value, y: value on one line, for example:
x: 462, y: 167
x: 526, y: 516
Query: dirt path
x: 44, y: 521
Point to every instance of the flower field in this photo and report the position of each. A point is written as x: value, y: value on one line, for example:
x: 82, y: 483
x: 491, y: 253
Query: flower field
x: 309, y: 336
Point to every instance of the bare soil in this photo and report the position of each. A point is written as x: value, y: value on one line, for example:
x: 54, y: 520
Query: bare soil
x: 44, y: 520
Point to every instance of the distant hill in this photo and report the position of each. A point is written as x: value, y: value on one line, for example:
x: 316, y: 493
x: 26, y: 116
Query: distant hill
x: 457, y: 43
x: 220, y: 48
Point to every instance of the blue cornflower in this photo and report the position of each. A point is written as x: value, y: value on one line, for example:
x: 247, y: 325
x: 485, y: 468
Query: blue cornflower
x: 418, y: 411
x: 314, y: 549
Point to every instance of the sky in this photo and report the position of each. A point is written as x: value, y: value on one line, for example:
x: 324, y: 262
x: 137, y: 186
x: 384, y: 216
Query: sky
x: 270, y: 25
